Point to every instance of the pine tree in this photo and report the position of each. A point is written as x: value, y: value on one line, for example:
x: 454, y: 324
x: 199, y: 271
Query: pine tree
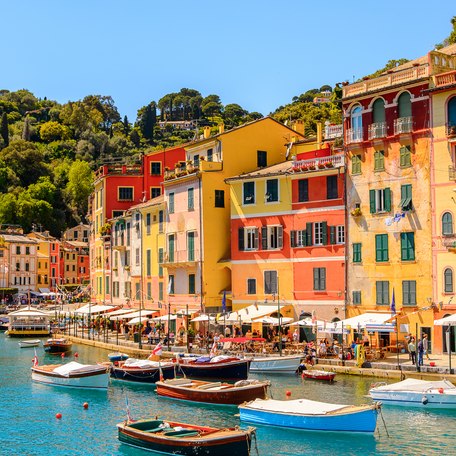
x: 26, y: 130
x: 4, y: 129
x: 126, y: 126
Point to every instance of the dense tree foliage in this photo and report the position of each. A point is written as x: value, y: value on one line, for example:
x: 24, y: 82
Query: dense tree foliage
x: 451, y: 39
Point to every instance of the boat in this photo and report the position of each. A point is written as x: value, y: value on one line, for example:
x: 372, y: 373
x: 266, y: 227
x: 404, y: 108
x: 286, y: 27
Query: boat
x: 311, y: 415
x: 169, y: 437
x: 117, y: 356
x: 414, y: 392
x: 57, y: 346
x: 4, y: 323
x: 276, y: 364
x: 72, y: 374
x: 29, y: 322
x: 213, y: 392
x: 29, y: 343
x: 142, y: 370
x: 315, y: 374
x: 218, y: 367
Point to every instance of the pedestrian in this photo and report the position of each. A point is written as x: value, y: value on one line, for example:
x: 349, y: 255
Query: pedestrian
x: 426, y: 346
x: 412, y: 350
x: 420, y: 352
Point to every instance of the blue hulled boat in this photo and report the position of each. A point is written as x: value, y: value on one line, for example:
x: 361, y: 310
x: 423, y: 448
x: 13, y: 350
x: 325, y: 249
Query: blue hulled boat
x: 219, y: 367
x: 311, y: 415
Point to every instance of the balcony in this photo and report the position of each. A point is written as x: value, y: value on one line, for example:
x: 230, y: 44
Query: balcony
x: 451, y: 132
x: 334, y: 131
x: 449, y: 241
x: 445, y: 79
x: 313, y: 164
x: 181, y: 258
x: 376, y: 130
x: 354, y: 135
x: 403, y: 125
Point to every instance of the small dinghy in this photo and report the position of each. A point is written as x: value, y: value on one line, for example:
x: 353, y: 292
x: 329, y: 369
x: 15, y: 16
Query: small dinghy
x: 29, y: 343
x: 319, y: 375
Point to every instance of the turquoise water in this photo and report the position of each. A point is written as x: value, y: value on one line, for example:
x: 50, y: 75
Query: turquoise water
x: 29, y: 426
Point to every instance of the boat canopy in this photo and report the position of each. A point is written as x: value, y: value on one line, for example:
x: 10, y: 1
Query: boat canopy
x: 413, y: 384
x: 296, y: 407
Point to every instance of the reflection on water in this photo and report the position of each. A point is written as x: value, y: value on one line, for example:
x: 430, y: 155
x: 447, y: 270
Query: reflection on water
x: 30, y: 409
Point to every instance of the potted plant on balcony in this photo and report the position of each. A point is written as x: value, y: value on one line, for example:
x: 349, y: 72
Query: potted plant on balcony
x: 105, y: 230
x: 329, y: 164
x: 304, y: 168
x: 321, y: 165
x: 311, y: 167
x: 356, y: 212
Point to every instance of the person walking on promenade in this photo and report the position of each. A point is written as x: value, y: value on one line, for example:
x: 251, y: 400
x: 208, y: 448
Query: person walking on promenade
x: 412, y: 350
x: 426, y: 346
x: 420, y: 352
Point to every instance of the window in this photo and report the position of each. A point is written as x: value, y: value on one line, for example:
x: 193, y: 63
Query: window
x: 171, y: 203
x: 356, y: 164
x: 404, y: 105
x: 357, y: 257
x: 380, y: 200
x: 18, y: 250
x: 210, y: 155
x: 340, y: 234
x: 191, y: 284
x: 270, y: 282
x: 405, y: 157
x: 248, y: 238
x: 125, y: 194
x: 137, y: 291
x: 190, y: 199
x: 378, y: 110
x: 251, y: 286
x: 262, y: 160
x: 155, y: 168
x: 170, y: 284
x: 356, y: 297
x: 331, y: 187
x: 448, y: 280
x: 27, y: 250
x: 249, y: 193
x: 115, y: 289
x: 137, y: 257
x: 117, y: 214
x: 320, y: 233
x: 27, y: 267
x: 128, y: 289
x: 303, y: 190
x: 447, y: 224
x: 148, y: 224
x: 196, y: 161
x: 379, y: 160
x: 406, y: 203
x: 160, y: 291
x: 191, y: 246
x: 149, y: 291
x: 451, y: 114
x: 160, y: 262
x: 298, y: 238
x: 171, y: 248
x: 160, y: 221
x: 319, y: 276
x: 382, y: 292
x: 409, y: 292
x: 219, y: 198
x: 356, y: 121
x: 155, y: 192
x: 272, y: 190
x: 407, y: 246
x: 148, y: 262
x: 381, y: 247
x: 271, y: 237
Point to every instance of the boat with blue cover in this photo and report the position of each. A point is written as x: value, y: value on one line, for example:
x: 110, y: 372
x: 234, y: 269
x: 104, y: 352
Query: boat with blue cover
x: 311, y: 415
x: 219, y: 367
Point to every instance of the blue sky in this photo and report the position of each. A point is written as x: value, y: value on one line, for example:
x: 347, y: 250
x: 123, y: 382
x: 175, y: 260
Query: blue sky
x: 258, y: 54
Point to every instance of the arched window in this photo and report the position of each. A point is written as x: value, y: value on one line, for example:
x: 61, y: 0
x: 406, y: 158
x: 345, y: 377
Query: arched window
x: 447, y: 223
x: 378, y: 110
x: 448, y: 280
x: 404, y: 105
x: 356, y: 121
x: 452, y: 117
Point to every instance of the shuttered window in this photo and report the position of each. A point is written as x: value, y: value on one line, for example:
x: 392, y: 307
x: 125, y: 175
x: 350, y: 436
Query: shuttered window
x: 378, y: 110
x: 331, y: 187
x: 270, y: 282
x: 379, y: 160
x: 356, y: 297
x: 249, y: 193
x: 405, y: 157
x: 406, y: 203
x: 357, y: 258
x: 448, y: 280
x: 251, y: 286
x: 407, y: 246
x: 380, y: 200
x: 404, y: 105
x: 303, y: 190
x: 447, y: 224
x: 356, y: 164
x: 319, y: 276
x: 191, y: 200
x: 409, y: 292
x: 272, y: 190
x: 382, y: 292
x: 381, y: 247
x: 191, y: 284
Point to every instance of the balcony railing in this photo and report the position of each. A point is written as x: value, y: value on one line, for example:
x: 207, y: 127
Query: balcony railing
x: 354, y: 135
x: 334, y: 131
x: 376, y: 130
x: 403, y: 125
x: 334, y: 161
x: 449, y: 240
x: 451, y: 132
x: 181, y: 257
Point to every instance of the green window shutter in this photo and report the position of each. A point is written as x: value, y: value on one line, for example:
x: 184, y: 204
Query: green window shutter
x: 356, y: 164
x: 378, y: 288
x: 401, y: 157
x: 316, y: 278
x: 405, y: 293
x: 332, y: 235
x: 372, y: 201
x: 412, y: 288
x: 357, y: 252
x: 280, y: 237
x: 304, y: 238
x: 264, y: 238
x: 378, y: 251
x: 309, y: 234
x: 256, y: 238
x: 293, y: 238
x: 324, y: 232
x: 241, y: 239
x: 387, y: 196
x: 322, y: 278
x: 385, y: 247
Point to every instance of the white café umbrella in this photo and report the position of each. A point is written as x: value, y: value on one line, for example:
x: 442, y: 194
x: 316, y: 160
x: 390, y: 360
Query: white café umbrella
x: 164, y: 318
x: 203, y: 317
x: 272, y: 320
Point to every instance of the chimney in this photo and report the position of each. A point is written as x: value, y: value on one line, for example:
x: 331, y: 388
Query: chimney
x: 298, y: 126
x: 207, y: 132
x: 221, y: 128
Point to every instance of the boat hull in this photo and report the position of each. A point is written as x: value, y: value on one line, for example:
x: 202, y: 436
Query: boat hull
x: 97, y: 381
x: 233, y: 370
x: 430, y: 399
x: 29, y: 343
x: 319, y: 375
x: 116, y: 357
x: 219, y: 444
x: 276, y: 365
x: 233, y: 396
x: 141, y: 375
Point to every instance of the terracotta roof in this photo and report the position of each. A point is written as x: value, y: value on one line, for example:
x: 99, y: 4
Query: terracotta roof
x: 279, y: 168
x: 152, y: 202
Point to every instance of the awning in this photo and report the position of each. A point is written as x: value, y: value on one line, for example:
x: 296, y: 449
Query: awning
x: 364, y: 320
x: 44, y: 290
x: 446, y: 321
x: 247, y: 314
x: 203, y: 317
x: 272, y: 320
x: 93, y: 309
x: 139, y: 313
x: 164, y: 318
x: 136, y: 320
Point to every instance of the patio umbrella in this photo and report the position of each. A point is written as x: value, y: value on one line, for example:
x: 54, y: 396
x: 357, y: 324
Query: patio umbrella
x: 203, y: 317
x: 272, y: 320
x: 164, y: 318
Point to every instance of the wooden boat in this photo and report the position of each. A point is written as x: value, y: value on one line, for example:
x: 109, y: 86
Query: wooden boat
x: 57, y: 346
x: 168, y: 437
x: 117, y: 356
x: 143, y: 371
x: 276, y: 364
x: 315, y: 374
x: 72, y: 374
x: 29, y: 343
x: 311, y: 415
x: 4, y: 323
x: 417, y: 393
x: 213, y: 392
x: 218, y: 367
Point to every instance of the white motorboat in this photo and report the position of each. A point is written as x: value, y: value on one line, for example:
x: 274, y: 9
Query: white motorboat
x: 29, y: 343
x: 276, y: 364
x: 417, y: 393
x: 73, y: 375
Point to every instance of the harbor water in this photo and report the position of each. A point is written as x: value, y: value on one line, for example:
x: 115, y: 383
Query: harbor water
x: 30, y: 427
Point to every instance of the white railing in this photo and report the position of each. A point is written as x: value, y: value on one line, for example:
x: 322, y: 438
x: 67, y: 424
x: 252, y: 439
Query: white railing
x: 403, y: 125
x: 334, y: 161
x: 334, y: 131
x: 376, y: 130
x: 354, y: 135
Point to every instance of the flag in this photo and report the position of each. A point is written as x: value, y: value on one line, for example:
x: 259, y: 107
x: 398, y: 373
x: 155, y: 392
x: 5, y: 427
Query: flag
x: 393, y: 304
x: 158, y: 350
x: 170, y: 285
x: 224, y: 301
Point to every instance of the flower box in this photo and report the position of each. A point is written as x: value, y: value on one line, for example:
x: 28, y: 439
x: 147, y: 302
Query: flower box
x: 329, y: 165
x: 321, y: 166
x: 356, y: 212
